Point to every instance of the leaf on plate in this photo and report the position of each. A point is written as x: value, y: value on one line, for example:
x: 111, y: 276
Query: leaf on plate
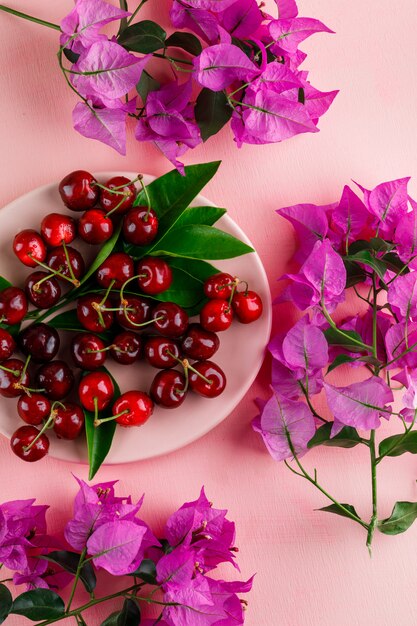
x: 105, y: 250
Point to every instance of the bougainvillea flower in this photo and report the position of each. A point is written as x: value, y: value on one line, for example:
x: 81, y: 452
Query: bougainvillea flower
x: 305, y: 346
x: 388, y: 202
x: 242, y: 18
x: 401, y: 345
x: 220, y: 65
x: 405, y: 236
x: 310, y: 225
x: 289, y: 33
x: 210, y: 5
x: 117, y: 546
x: 287, y: 8
x: 19, y: 520
x: 103, y: 124
x: 350, y: 216
x: 402, y: 296
x: 200, y: 21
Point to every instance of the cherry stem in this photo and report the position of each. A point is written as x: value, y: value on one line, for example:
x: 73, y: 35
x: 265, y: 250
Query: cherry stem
x: 235, y: 283
x: 129, y: 280
x: 7, y: 369
x: 148, y: 200
x: 186, y: 365
x: 48, y: 424
x: 70, y: 268
x: 74, y: 281
x: 106, y: 295
x: 116, y: 190
x: 111, y: 347
x: 98, y: 422
x: 37, y: 286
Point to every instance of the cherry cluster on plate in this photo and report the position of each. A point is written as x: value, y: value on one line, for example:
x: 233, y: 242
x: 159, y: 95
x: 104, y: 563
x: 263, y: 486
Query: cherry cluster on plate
x: 120, y: 301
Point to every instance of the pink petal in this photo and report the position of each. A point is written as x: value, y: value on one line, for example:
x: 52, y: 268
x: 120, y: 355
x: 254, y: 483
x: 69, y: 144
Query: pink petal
x: 105, y: 125
x: 116, y: 545
x: 289, y: 33
x: 219, y: 66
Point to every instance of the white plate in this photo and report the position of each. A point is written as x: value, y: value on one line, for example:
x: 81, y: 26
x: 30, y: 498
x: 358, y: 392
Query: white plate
x: 240, y: 354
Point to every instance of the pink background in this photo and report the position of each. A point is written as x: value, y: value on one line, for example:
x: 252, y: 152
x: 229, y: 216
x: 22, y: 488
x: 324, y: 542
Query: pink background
x: 313, y: 569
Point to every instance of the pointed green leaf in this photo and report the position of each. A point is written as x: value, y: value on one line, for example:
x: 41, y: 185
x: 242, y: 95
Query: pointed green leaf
x: 333, y: 508
x: 394, y: 263
x: 366, y: 258
x: 347, y: 438
x: 144, y: 37
x: 398, y: 444
x: 39, y: 604
x: 6, y: 602
x: 212, y: 112
x: 402, y: 516
x: 4, y: 283
x: 130, y: 614
x: 146, y: 84
x: 348, y: 339
x: 105, y: 250
x: 111, y: 620
x: 342, y: 359
x: 355, y: 274
x: 146, y: 572
x: 194, y: 267
x: 69, y: 561
x: 186, y: 41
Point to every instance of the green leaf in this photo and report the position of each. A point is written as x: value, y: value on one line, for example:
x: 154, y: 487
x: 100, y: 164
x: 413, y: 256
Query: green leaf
x: 146, y: 572
x: 186, y: 41
x: 173, y: 191
x: 39, y: 604
x: 346, y: 438
x: 366, y: 258
x: 105, y: 250
x: 100, y: 438
x: 341, y: 359
x: 185, y: 290
x: 6, y: 602
x: 69, y: 562
x: 402, y: 516
x: 130, y: 614
x: 347, y: 339
x: 212, y: 112
x: 301, y: 95
x: 333, y: 508
x: 4, y: 283
x: 354, y: 273
x: 398, y: 444
x: 198, y: 241
x: 111, y: 620
x: 195, y: 268
x: 394, y: 263
x: 146, y: 84
x: 68, y: 320
x: 145, y: 37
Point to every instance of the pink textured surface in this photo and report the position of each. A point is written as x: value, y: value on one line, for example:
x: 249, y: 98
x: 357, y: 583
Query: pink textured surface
x: 313, y: 569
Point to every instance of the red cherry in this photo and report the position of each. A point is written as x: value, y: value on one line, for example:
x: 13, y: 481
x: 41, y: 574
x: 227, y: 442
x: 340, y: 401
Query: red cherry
x: 13, y: 305
x: 117, y: 267
x: 216, y: 315
x: 57, y: 228
x: 56, y: 378
x: 7, y: 345
x: 41, y: 291
x: 158, y: 351
x: 69, y: 421
x: 34, y: 409
x: 95, y: 227
x: 57, y: 261
x: 140, y: 226
x: 23, y: 437
x: 13, y: 383
x: 126, y: 348
x: 199, y: 344
x: 96, y: 388
x: 219, y: 286
x: 88, y: 309
x: 40, y: 341
x: 170, y: 319
x: 215, y: 383
x: 136, y: 311
x: 78, y: 190
x: 248, y: 306
x: 123, y: 199
x: 136, y: 406
x: 87, y: 351
x: 167, y: 389
x: 29, y: 247
x: 154, y: 275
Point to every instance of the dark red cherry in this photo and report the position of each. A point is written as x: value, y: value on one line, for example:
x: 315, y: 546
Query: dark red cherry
x: 94, y: 389
x: 170, y: 319
x: 219, y: 286
x: 92, y: 313
x: 29, y: 247
x: 216, y: 315
x: 136, y: 311
x: 126, y: 348
x: 57, y: 261
x: 79, y: 191
x: 23, y: 437
x: 136, y: 408
x: 12, y: 380
x: 159, y: 351
x: 34, y: 409
x: 247, y: 306
x: 117, y: 267
x: 95, y: 227
x: 69, y: 421
x: 57, y: 228
x: 40, y: 341
x: 42, y: 290
x: 88, y: 351
x: 154, y: 275
x: 167, y: 389
x: 7, y: 345
x: 199, y: 344
x: 119, y: 200
x: 56, y: 378
x: 13, y: 305
x: 140, y: 226
x: 215, y: 383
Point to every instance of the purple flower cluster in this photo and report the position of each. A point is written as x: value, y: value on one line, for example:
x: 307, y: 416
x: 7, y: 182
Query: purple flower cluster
x: 246, y: 68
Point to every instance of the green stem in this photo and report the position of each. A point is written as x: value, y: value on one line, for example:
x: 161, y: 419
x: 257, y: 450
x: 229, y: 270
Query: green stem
x: 172, y: 59
x: 76, y: 579
x: 374, y: 518
x: 310, y: 406
x: 25, y: 16
x: 333, y: 325
x: 136, y: 11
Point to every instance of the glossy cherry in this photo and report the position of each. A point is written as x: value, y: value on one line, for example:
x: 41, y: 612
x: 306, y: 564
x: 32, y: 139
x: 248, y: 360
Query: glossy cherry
x: 13, y: 383
x: 215, y: 383
x: 161, y: 352
x: 167, y: 389
x: 13, y: 305
x: 126, y: 348
x: 68, y: 421
x: 247, y: 306
x: 88, y: 351
x: 95, y: 227
x: 29, y: 247
x: 154, y: 275
x: 216, y: 315
x: 57, y: 261
x: 92, y: 313
x: 42, y: 290
x: 40, y: 341
x: 23, y: 437
x: 170, y: 319
x: 136, y: 408
x: 140, y: 226
x: 219, y: 286
x: 34, y: 409
x: 137, y: 310
x: 118, y: 267
x: 96, y: 389
x: 199, y: 344
x: 7, y: 345
x: 122, y: 198
x: 78, y: 190
x: 57, y: 228
x: 56, y: 378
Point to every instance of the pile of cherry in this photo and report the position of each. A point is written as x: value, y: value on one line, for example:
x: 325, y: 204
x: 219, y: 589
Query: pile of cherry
x: 179, y: 349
